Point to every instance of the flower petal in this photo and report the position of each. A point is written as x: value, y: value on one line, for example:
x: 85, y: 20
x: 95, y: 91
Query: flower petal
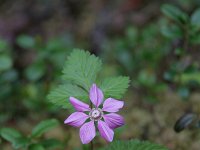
x: 96, y: 95
x: 113, y: 120
x: 112, y: 105
x: 78, y: 105
x: 106, y: 132
x: 87, y: 132
x: 76, y: 119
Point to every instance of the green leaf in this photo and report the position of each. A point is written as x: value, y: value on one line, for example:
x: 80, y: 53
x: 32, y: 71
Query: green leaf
x: 174, y: 13
x: 115, y: 87
x: 51, y: 143
x: 134, y: 145
x: 195, y: 18
x: 146, y: 78
x: 36, y: 147
x: 35, y: 72
x: 184, y: 92
x: 21, y: 142
x: 190, y: 77
x: 171, y: 31
x: 10, y: 75
x: 3, y: 45
x: 14, y: 137
x: 10, y: 134
x: 43, y: 127
x: 60, y: 96
x: 5, y: 62
x: 195, y: 39
x: 81, y: 68
x: 25, y: 41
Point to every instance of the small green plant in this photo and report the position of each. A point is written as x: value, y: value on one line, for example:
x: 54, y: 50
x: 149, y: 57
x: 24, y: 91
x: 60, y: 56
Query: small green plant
x: 34, y: 141
x: 79, y: 74
x: 183, y: 31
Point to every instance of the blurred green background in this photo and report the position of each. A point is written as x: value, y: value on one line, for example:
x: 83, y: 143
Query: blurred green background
x: 156, y: 43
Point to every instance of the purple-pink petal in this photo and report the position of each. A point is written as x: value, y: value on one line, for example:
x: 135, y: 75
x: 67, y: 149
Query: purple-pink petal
x: 105, y: 132
x: 76, y: 119
x: 113, y: 120
x: 78, y: 105
x: 96, y: 95
x: 112, y: 105
x: 87, y: 132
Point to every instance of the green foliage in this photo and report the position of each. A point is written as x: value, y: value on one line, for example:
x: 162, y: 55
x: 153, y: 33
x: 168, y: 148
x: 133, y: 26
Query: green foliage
x: 28, y: 74
x: 60, y: 95
x: 190, y: 77
x: 146, y: 78
x: 10, y: 134
x: 51, y: 143
x: 115, y: 86
x: 33, y: 141
x: 195, y: 18
x: 3, y: 45
x: 81, y: 68
x: 80, y: 72
x: 5, y: 62
x: 21, y: 142
x: 35, y: 72
x: 26, y: 41
x: 36, y: 147
x: 172, y: 31
x: 184, y: 92
x: 43, y: 127
x: 174, y: 13
x: 14, y: 137
x: 133, y: 145
x: 140, y: 58
x: 155, y: 59
x: 184, y: 29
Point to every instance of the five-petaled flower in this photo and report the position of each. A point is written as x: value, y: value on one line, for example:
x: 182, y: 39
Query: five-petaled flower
x: 106, y: 118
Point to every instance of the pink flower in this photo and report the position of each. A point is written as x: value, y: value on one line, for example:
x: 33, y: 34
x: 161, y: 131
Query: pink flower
x: 106, y: 118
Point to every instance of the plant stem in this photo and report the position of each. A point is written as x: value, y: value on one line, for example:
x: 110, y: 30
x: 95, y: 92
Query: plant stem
x: 91, y: 146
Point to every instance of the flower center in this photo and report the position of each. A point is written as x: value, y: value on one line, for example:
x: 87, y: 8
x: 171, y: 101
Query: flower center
x: 96, y: 114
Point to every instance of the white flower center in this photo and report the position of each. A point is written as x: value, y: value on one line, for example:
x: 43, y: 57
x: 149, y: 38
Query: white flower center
x: 96, y: 114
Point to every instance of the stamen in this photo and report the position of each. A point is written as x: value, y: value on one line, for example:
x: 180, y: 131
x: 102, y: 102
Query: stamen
x: 96, y: 114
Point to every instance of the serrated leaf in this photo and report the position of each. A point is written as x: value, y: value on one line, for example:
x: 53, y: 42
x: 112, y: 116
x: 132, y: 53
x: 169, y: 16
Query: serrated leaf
x: 36, y: 147
x: 134, y: 145
x: 10, y: 134
x: 81, y: 68
x: 43, y: 127
x: 60, y: 96
x: 115, y: 87
x: 195, y: 18
x: 174, y: 13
